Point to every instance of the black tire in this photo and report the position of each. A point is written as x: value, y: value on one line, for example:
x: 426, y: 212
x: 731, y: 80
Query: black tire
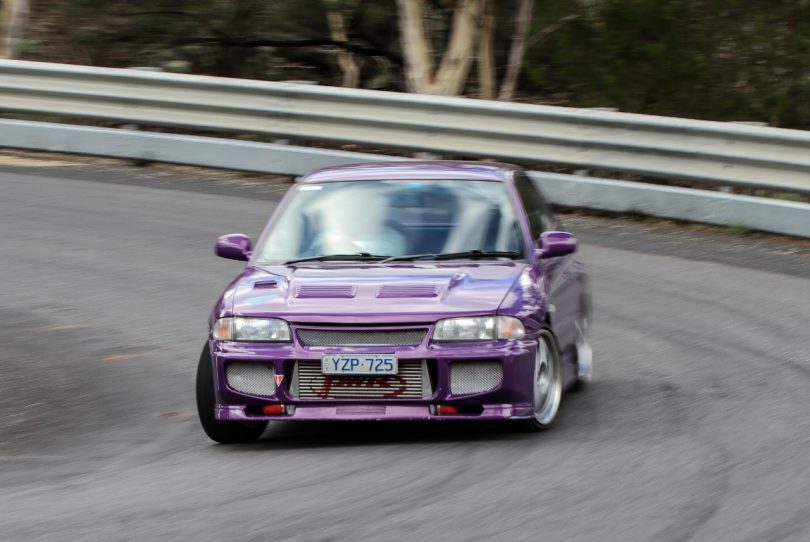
x: 584, y: 356
x: 220, y: 431
x: 551, y: 407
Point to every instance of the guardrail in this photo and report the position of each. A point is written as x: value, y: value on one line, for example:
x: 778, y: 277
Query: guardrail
x: 656, y: 146
x: 699, y: 151
x: 791, y: 218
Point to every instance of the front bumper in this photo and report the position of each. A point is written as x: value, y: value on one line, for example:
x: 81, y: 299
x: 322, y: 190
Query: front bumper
x: 512, y: 399
x: 359, y: 412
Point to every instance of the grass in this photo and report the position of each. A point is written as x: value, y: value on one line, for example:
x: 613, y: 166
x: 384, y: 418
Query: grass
x: 790, y: 196
x: 739, y: 228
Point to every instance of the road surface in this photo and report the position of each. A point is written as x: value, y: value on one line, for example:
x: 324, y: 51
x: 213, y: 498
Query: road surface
x: 697, y: 426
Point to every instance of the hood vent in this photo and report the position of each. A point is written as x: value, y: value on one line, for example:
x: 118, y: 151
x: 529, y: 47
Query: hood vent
x: 308, y: 291
x: 408, y: 290
x: 266, y: 284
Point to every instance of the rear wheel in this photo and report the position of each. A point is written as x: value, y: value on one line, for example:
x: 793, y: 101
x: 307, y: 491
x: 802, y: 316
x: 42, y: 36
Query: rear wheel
x: 584, y: 357
x: 546, y: 383
x: 220, y: 431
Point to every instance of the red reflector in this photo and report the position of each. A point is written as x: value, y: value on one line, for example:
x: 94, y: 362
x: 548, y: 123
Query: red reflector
x: 447, y: 410
x: 274, y: 410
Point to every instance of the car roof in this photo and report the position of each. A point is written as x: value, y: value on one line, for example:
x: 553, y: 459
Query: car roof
x: 415, y: 170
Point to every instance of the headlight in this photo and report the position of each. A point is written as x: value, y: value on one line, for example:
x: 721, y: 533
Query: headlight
x: 479, y: 328
x: 251, y: 329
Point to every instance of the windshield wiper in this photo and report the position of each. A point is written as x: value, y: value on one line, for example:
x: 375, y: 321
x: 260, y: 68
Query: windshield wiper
x: 358, y: 256
x: 471, y: 254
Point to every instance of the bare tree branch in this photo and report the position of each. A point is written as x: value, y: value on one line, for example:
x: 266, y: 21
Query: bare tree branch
x: 523, y: 21
x: 540, y: 34
x: 308, y: 42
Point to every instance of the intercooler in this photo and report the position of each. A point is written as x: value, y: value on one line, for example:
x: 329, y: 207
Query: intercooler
x: 411, y: 382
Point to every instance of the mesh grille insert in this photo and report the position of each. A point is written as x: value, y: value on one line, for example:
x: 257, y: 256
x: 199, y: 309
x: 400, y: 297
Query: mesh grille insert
x: 328, y: 337
x: 410, y: 383
x: 252, y: 378
x: 475, y: 376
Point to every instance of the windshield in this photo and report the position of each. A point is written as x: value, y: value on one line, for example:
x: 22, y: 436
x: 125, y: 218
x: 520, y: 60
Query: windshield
x: 393, y: 218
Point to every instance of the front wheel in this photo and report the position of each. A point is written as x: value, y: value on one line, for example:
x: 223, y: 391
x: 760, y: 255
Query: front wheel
x: 217, y: 430
x: 547, y: 383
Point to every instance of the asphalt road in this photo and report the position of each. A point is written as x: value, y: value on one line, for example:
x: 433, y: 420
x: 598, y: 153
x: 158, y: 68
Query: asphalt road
x: 697, y: 427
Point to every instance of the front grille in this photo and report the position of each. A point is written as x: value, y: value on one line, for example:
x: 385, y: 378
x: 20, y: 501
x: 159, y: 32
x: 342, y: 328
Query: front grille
x: 252, y: 378
x: 412, y: 382
x: 377, y: 337
x: 475, y: 376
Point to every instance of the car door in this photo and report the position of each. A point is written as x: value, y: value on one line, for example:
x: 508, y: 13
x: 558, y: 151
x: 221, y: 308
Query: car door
x: 562, y: 278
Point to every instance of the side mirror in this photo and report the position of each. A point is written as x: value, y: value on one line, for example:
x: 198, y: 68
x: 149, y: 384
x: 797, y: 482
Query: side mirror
x: 235, y: 246
x: 556, y: 243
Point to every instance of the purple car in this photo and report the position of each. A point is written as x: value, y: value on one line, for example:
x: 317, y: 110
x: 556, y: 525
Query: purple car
x: 398, y: 291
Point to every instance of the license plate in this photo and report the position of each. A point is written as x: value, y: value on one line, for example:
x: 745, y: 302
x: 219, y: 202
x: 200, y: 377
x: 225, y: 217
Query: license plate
x: 359, y: 364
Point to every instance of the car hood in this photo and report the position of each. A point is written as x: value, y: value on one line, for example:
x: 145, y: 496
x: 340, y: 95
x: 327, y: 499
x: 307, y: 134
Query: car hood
x: 371, y: 293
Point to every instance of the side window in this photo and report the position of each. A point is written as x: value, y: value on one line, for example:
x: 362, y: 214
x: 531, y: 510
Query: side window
x: 537, y: 210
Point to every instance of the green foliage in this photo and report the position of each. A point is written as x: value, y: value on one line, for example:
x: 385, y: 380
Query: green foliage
x: 212, y: 36
x: 713, y: 59
x: 739, y: 228
x: 745, y: 60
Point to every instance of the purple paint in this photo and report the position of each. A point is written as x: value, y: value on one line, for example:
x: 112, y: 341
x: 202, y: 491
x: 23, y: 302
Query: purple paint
x: 372, y: 298
x: 554, y: 244
x: 235, y: 246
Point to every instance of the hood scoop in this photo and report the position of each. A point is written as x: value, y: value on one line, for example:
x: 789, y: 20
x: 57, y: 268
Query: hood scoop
x: 309, y: 291
x: 407, y: 290
x: 266, y: 284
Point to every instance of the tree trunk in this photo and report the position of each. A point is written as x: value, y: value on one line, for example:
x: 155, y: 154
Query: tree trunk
x: 415, y: 46
x: 451, y: 75
x: 230, y: 60
x: 486, y: 55
x: 523, y: 21
x: 457, y: 59
x: 13, y: 17
x: 346, y: 60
